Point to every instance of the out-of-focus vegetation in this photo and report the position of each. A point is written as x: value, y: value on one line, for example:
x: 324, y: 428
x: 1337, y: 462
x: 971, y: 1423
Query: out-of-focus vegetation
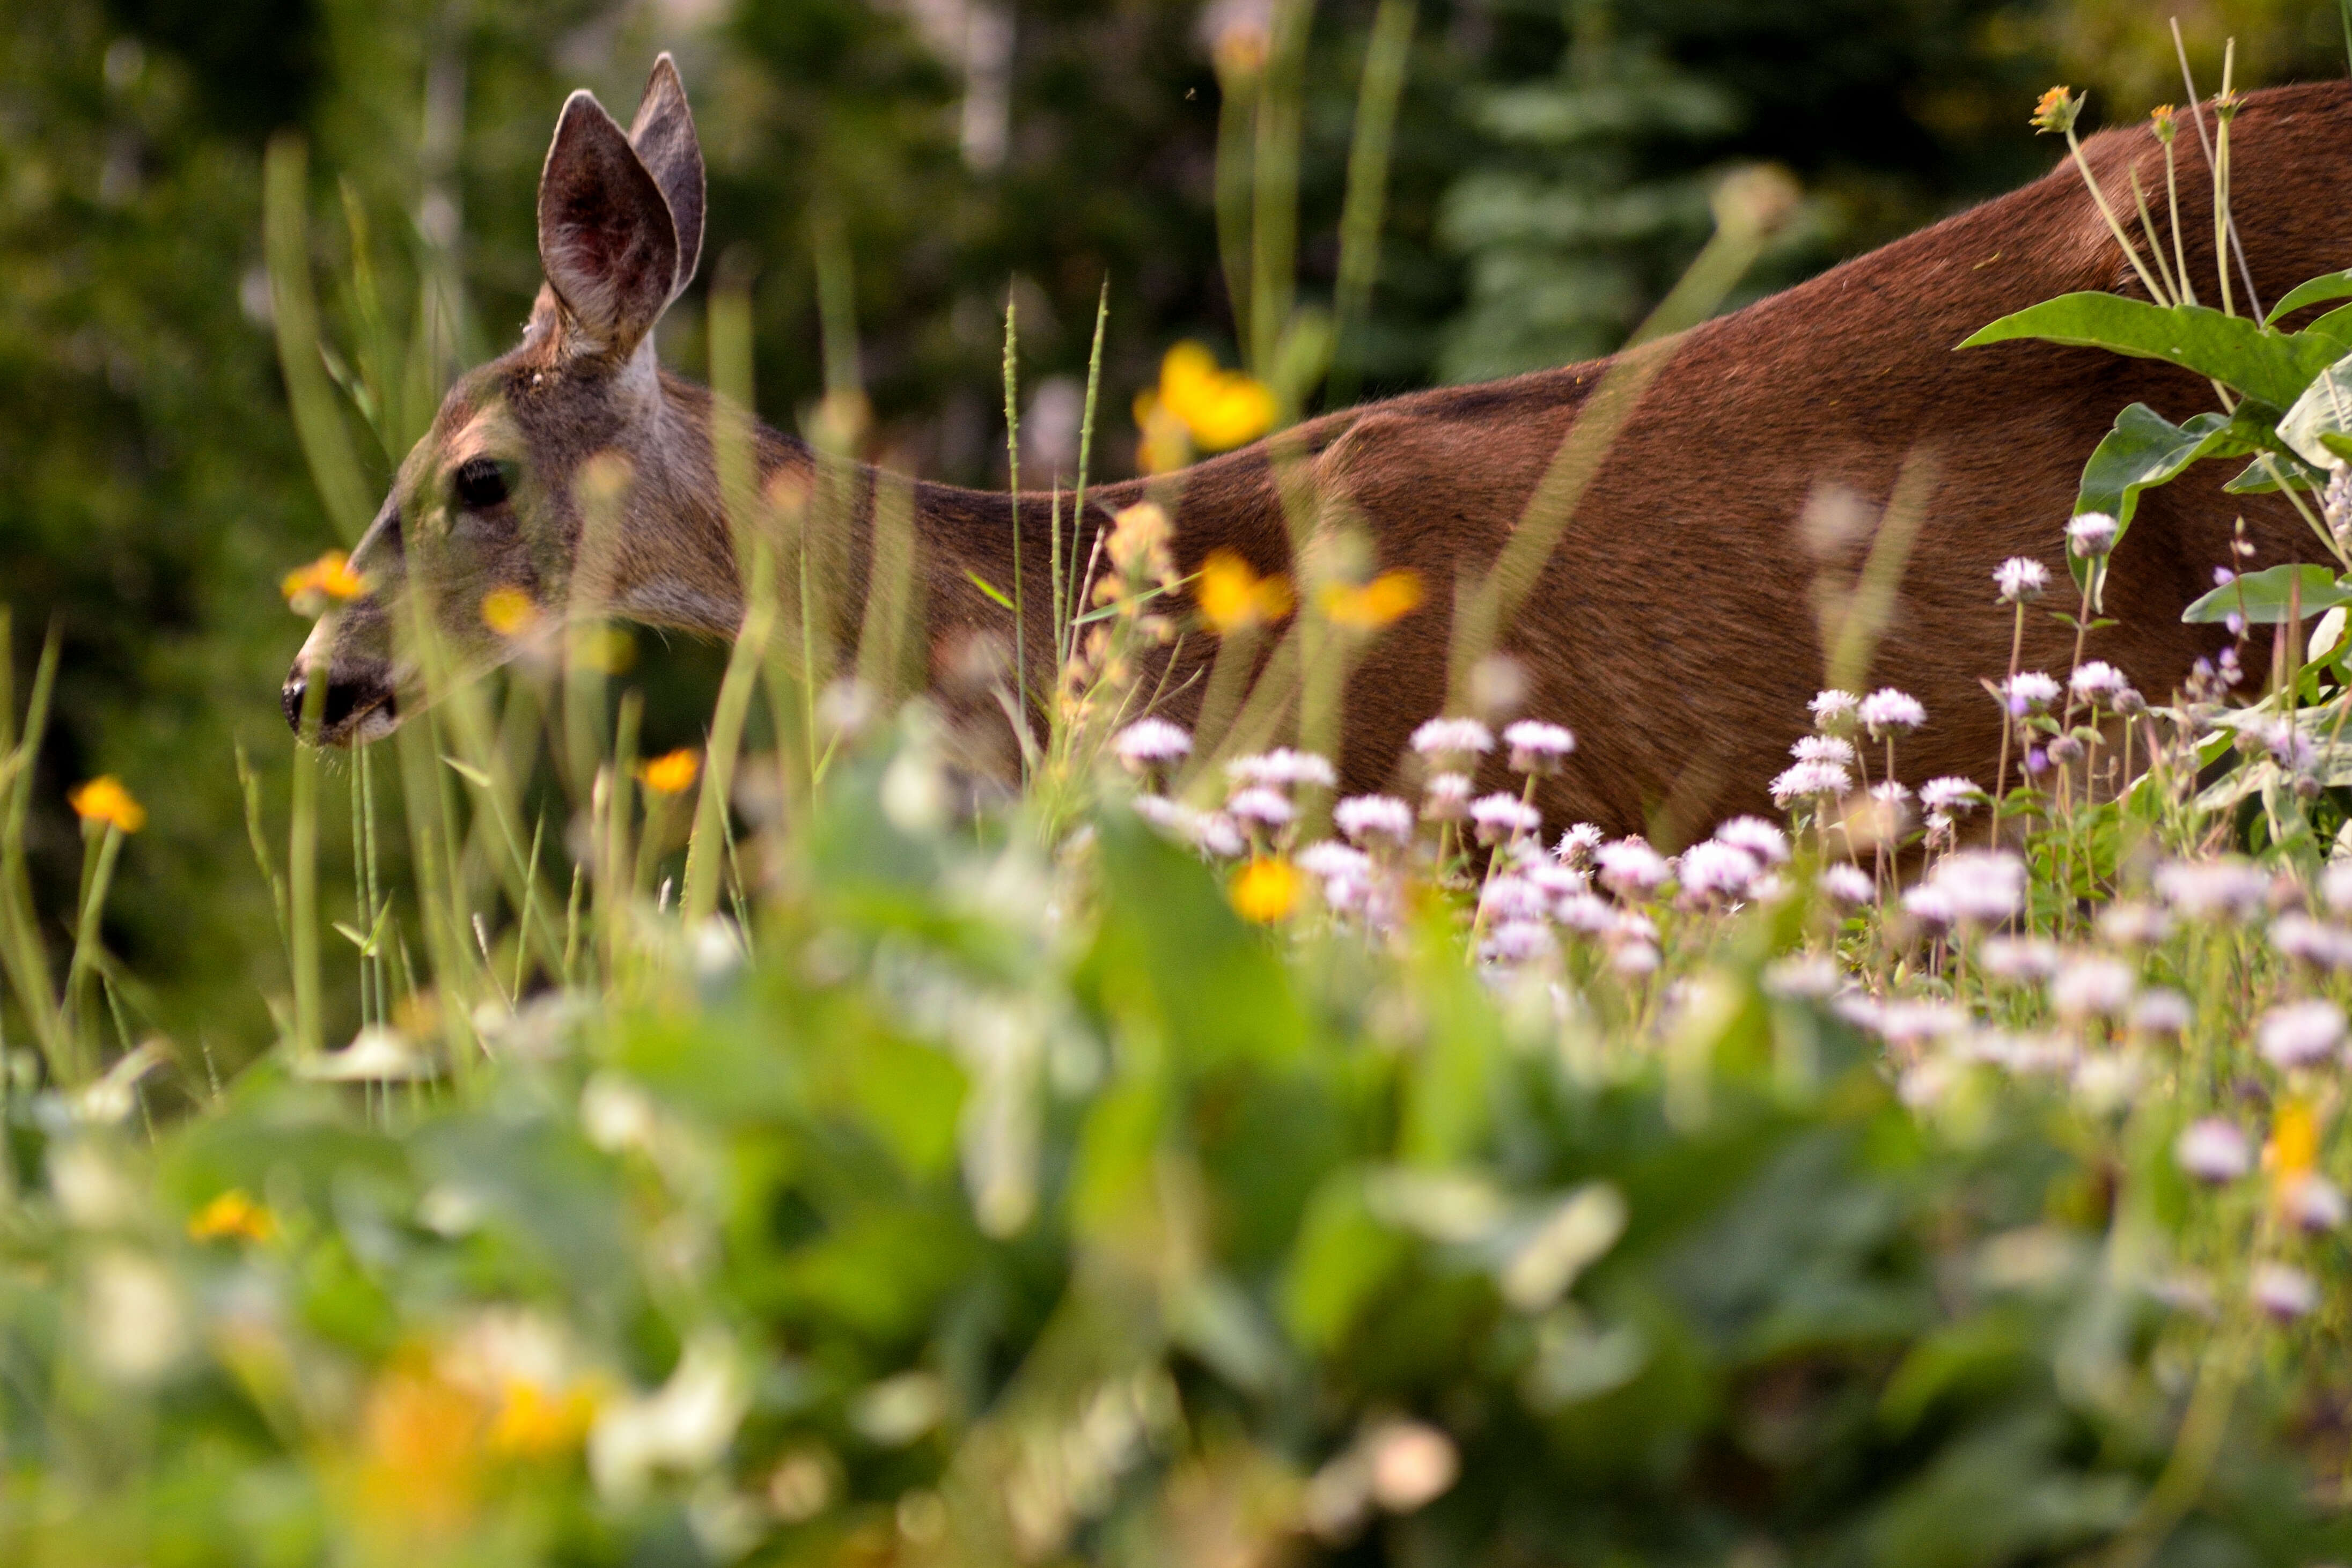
x: 933, y: 154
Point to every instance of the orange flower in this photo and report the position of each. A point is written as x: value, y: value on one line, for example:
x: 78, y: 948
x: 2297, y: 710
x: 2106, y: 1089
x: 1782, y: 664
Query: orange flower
x: 2056, y: 110
x: 311, y: 589
x: 104, y: 800
x: 2163, y: 117
x: 533, y: 1422
x: 233, y: 1216
x: 673, y: 774
x: 1384, y: 600
x: 1266, y: 890
x: 418, y: 1460
x: 508, y: 612
x: 2293, y: 1147
x: 1234, y: 598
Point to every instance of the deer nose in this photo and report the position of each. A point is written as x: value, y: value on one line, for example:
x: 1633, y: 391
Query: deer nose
x: 343, y: 700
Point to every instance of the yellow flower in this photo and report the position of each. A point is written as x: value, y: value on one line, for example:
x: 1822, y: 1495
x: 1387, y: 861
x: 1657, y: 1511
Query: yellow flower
x: 2294, y: 1148
x: 2056, y: 110
x: 2162, y: 117
x: 104, y: 800
x: 1234, y: 598
x: 1383, y: 601
x: 533, y: 1422
x: 417, y: 1476
x: 1265, y: 890
x: 233, y: 1216
x: 508, y: 612
x: 310, y: 589
x: 673, y: 774
x: 1200, y: 406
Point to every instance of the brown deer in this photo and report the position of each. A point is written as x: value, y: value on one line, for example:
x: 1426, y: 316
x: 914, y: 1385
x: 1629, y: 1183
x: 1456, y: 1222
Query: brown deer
x: 1670, y: 628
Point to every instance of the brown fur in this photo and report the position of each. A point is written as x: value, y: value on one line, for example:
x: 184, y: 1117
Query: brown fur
x: 1671, y: 629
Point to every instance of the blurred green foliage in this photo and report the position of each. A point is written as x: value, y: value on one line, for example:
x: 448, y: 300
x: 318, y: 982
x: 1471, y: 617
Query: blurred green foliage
x: 948, y: 150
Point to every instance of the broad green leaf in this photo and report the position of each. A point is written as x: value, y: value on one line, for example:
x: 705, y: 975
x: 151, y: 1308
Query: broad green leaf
x: 2335, y: 324
x: 2261, y: 596
x: 2270, y: 366
x: 2319, y: 425
x: 2261, y: 478
x: 1342, y: 1256
x: 2327, y: 285
x: 2146, y: 449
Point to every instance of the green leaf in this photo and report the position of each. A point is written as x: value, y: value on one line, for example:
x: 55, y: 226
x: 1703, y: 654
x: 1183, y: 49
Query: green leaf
x: 2319, y: 425
x: 2256, y: 477
x: 2271, y: 366
x: 2261, y: 596
x: 987, y: 588
x: 468, y: 773
x: 2144, y: 450
x: 2327, y: 285
x: 2336, y: 324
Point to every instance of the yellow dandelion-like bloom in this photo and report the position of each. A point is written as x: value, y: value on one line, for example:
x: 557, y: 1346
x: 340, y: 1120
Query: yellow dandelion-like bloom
x: 1200, y: 406
x: 104, y: 800
x: 233, y: 1216
x: 508, y: 612
x: 2056, y: 109
x: 2294, y: 1148
x: 2163, y: 117
x: 1265, y: 890
x: 328, y: 579
x: 1386, y: 600
x: 533, y: 1422
x: 1234, y: 598
x: 673, y: 774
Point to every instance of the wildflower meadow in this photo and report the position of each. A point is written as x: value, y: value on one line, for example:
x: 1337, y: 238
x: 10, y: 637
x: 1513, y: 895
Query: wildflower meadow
x: 836, y: 1141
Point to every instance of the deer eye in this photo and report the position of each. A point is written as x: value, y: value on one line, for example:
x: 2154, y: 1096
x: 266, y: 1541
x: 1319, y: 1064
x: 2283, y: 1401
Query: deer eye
x: 480, y: 484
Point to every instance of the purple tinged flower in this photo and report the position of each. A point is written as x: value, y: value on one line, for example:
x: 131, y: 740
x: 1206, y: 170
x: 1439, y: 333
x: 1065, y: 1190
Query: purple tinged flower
x: 1517, y: 942
x: 1453, y: 737
x: 1759, y: 838
x: 2131, y: 923
x: 1514, y: 898
x: 1445, y: 798
x: 1811, y: 778
x: 1834, y: 709
x: 1887, y: 710
x: 1332, y: 859
x: 2213, y: 1150
x: 1930, y: 905
x: 1261, y: 808
x: 1503, y: 816
x: 2336, y: 887
x: 1576, y: 845
x: 1984, y: 887
x: 2301, y: 936
x: 2037, y: 761
x: 2289, y: 747
x: 2019, y: 958
x: 2020, y: 579
x: 1847, y: 883
x: 1149, y: 743
x: 1283, y: 769
x: 1365, y: 817
x: 2092, y: 987
x: 1217, y: 836
x: 2097, y: 680
x: 1587, y: 913
x: 2284, y: 1292
x: 2201, y: 889
x: 1950, y: 794
x: 1716, y: 873
x: 1537, y: 746
x: 2161, y: 1010
x: 1634, y: 960
x: 1630, y: 869
x: 1824, y: 748
x: 2091, y: 535
x: 2300, y: 1034
x: 2028, y: 691
x: 2223, y: 576
x: 2314, y: 1202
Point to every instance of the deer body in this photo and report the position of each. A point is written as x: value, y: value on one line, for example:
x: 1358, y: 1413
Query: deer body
x: 1672, y: 628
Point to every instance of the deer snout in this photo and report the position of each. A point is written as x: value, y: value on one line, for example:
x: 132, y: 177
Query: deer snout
x: 357, y: 705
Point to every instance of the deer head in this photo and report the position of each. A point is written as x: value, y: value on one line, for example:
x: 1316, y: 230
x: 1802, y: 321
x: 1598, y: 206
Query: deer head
x: 487, y: 500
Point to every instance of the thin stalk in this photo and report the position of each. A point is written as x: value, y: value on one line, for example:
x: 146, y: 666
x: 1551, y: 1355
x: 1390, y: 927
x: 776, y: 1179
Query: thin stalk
x: 1066, y: 643
x: 1012, y: 460
x: 2155, y: 239
x: 302, y: 867
x: 2007, y: 723
x: 2114, y: 227
x: 2173, y: 198
x: 1386, y: 56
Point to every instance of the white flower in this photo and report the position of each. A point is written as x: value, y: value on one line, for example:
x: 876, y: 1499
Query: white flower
x: 2020, y: 579
x: 1984, y: 887
x: 2301, y: 936
x: 2289, y: 747
x: 1950, y: 794
x: 1629, y: 868
x: 1331, y: 859
x: 1558, y: 881
x: 1834, y: 709
x: 1587, y: 913
x: 1445, y: 798
x: 1150, y: 743
x: 2219, y: 887
x: 1634, y: 960
x: 2314, y: 1202
x: 2300, y: 1034
x: 2212, y: 1149
x: 1537, y: 746
x: 1281, y: 768
x: 1501, y: 816
x: 1930, y: 905
x: 1261, y: 806
x: 2097, y: 680
x: 2091, y: 534
x: 1887, y: 709
x: 2161, y: 1010
x: 1814, y: 976
x: 1759, y: 838
x: 1577, y: 844
x: 1847, y: 883
x: 1515, y: 898
x: 2019, y: 958
x: 2135, y: 924
x: 2028, y: 690
x: 1824, y: 748
x: 2092, y: 987
x: 1517, y: 942
x: 1809, y: 779
x: 2284, y: 1292
x: 1453, y: 737
x: 682, y: 1427
x: 1173, y: 818
x: 1214, y: 834
x: 1715, y: 872
x: 1362, y: 817
x: 2336, y: 887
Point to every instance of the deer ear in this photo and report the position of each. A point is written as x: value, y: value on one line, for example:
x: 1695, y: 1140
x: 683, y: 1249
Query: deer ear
x: 606, y: 240
x: 663, y: 134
